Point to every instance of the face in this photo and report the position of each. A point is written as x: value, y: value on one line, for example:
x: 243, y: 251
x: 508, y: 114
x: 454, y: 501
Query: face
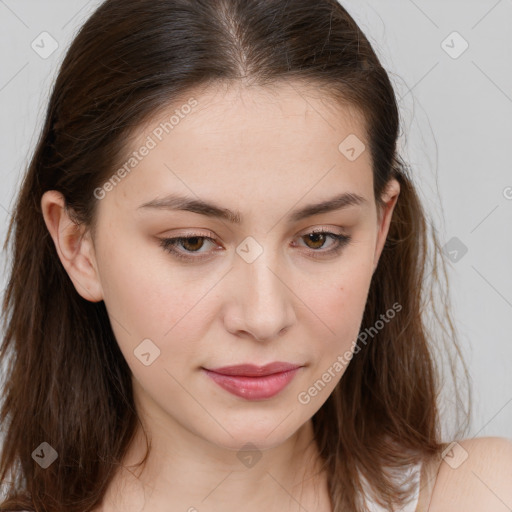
x: 259, y: 276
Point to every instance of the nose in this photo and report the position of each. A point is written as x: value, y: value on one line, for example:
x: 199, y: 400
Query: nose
x: 261, y: 302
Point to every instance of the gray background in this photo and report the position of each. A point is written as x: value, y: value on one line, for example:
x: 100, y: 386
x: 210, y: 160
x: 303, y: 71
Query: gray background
x: 457, y: 126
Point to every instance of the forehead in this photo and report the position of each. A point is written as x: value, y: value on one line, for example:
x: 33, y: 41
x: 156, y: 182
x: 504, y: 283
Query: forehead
x: 285, y: 111
x: 249, y: 142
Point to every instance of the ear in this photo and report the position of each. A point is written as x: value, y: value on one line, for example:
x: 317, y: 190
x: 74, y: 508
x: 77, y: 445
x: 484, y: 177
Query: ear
x: 74, y: 246
x: 390, y: 197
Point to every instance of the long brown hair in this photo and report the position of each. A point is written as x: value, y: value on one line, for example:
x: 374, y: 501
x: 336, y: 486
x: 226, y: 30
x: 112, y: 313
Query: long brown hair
x: 66, y: 381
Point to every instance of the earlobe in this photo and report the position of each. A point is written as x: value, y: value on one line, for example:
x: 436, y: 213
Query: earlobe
x: 74, y: 246
x: 390, y: 198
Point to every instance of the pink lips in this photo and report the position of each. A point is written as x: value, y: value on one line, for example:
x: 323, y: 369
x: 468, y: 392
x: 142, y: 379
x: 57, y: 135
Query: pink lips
x: 254, y: 382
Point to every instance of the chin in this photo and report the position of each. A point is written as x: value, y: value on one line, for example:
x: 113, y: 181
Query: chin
x: 263, y: 433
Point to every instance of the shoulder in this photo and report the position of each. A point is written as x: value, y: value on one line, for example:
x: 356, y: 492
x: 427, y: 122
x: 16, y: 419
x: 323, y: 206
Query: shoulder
x: 474, y: 475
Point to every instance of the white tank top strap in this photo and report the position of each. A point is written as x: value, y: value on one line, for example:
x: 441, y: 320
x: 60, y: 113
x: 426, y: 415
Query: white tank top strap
x: 413, y: 472
x: 428, y: 479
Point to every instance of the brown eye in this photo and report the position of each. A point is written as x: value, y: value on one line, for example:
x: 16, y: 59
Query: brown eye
x: 187, y: 248
x: 317, y: 240
x: 192, y: 244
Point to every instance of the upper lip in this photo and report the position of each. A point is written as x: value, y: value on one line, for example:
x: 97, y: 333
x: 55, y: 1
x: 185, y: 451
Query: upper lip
x: 251, y: 370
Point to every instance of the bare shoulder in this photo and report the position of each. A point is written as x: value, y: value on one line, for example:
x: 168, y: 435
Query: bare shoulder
x: 475, y: 475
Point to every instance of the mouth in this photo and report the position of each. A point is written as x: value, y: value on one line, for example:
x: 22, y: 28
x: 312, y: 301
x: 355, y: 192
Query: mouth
x: 254, y: 382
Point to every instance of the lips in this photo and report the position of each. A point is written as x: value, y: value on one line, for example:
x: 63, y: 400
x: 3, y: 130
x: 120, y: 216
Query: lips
x: 254, y: 382
x: 251, y: 370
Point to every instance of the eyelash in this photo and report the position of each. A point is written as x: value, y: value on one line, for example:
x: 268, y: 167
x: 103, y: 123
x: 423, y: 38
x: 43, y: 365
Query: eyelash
x: 169, y: 245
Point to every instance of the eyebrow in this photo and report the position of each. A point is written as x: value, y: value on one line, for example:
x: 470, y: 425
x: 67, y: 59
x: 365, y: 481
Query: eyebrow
x: 176, y: 202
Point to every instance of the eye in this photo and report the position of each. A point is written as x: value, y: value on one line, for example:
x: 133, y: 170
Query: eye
x: 316, y: 240
x: 188, y: 247
x: 191, y: 244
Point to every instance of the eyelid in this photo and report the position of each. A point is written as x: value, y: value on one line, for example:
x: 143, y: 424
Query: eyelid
x: 211, y: 235
x: 322, y: 229
x: 194, y: 234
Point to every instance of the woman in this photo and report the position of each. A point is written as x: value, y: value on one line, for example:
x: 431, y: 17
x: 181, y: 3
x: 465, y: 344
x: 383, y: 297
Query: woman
x: 218, y: 287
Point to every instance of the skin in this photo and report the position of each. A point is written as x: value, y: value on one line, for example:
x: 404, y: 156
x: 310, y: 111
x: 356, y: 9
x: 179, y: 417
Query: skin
x: 483, y: 482
x: 262, y: 152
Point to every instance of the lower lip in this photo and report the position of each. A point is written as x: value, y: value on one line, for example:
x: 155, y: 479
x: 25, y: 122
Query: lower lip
x: 253, y: 388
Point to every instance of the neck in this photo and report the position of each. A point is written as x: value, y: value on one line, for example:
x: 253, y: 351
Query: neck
x: 188, y: 473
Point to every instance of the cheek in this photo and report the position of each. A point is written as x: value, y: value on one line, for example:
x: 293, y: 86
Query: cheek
x: 341, y: 306
x: 146, y: 298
